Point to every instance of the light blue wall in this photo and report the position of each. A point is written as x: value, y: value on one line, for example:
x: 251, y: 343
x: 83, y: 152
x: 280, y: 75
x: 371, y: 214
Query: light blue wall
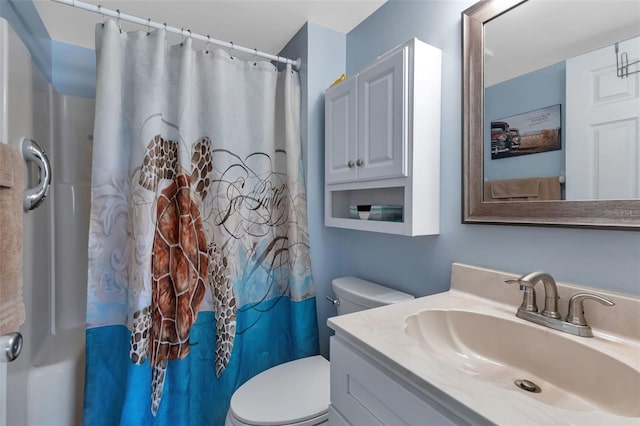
x: 73, y: 70
x: 421, y: 265
x: 25, y: 21
x: 323, y: 53
x: 70, y: 69
x: 535, y: 90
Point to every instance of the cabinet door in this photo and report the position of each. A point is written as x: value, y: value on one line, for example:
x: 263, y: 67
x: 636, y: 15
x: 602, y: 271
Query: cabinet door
x: 364, y: 395
x: 340, y: 132
x: 382, y: 107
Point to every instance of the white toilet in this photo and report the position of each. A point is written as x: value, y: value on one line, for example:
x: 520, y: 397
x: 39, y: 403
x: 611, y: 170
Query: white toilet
x: 297, y: 393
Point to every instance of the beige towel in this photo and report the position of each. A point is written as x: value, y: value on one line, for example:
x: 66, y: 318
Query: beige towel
x: 11, y: 190
x: 539, y: 188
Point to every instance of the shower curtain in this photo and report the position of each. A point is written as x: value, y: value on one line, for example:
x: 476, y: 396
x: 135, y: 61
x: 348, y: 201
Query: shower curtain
x: 199, y: 271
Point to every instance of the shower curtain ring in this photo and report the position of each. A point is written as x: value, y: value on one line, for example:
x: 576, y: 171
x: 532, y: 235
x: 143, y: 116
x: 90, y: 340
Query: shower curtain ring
x: 231, y: 50
x: 208, y: 41
x: 277, y: 62
x: 183, y: 37
x: 118, y: 20
x: 102, y: 14
x: 255, y: 55
x: 148, y: 26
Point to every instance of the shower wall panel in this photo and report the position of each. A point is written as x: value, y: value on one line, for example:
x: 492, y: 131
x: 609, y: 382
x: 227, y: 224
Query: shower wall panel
x: 45, y: 384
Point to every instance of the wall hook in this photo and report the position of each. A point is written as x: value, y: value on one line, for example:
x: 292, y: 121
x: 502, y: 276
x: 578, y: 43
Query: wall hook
x: 623, y: 64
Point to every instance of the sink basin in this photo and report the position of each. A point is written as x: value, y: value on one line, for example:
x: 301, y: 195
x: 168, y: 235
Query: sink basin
x: 499, y: 351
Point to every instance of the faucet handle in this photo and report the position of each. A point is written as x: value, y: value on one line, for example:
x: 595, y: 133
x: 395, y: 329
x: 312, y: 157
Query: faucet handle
x: 529, y: 295
x: 523, y: 284
x: 576, y: 309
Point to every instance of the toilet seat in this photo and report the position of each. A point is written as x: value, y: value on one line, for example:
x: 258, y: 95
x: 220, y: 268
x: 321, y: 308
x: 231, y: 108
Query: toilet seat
x: 294, y: 393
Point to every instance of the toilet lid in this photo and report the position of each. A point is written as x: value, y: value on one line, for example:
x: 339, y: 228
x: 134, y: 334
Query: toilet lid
x: 288, y: 393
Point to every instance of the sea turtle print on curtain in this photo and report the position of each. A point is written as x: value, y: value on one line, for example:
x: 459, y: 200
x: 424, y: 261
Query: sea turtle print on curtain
x: 182, y: 262
x: 199, y: 269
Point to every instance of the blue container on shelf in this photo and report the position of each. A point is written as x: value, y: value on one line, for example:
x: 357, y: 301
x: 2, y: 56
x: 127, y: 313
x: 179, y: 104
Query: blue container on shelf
x: 382, y: 212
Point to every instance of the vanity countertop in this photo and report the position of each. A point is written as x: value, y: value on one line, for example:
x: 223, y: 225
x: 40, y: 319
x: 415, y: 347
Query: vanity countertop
x: 381, y: 332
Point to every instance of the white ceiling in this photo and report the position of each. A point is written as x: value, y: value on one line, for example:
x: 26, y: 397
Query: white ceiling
x: 266, y: 25
x: 540, y: 33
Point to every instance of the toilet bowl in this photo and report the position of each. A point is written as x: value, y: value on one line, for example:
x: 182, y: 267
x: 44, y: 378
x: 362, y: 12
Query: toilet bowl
x: 296, y: 393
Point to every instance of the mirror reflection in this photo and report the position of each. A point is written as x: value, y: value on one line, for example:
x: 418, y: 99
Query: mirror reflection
x: 561, y: 112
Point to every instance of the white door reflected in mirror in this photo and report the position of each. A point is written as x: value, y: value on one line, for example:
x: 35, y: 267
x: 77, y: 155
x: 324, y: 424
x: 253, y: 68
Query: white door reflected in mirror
x: 603, y: 115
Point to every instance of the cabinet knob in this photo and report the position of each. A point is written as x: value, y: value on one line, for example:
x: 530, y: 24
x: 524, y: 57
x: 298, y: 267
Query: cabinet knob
x: 359, y: 162
x: 350, y: 164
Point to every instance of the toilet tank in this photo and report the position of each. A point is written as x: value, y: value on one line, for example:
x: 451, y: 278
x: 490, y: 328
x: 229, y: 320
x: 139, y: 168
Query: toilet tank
x: 355, y: 294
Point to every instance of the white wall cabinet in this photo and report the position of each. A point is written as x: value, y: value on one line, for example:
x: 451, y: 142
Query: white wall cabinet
x: 365, y: 392
x: 364, y: 123
x: 382, y: 142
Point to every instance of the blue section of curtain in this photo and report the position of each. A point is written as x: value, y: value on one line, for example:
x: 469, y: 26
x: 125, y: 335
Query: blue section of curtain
x: 117, y: 391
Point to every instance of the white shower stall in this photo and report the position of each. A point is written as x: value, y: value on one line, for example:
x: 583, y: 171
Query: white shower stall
x: 44, y: 386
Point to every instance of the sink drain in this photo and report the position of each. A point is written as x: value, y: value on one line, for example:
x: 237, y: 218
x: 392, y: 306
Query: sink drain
x: 527, y: 385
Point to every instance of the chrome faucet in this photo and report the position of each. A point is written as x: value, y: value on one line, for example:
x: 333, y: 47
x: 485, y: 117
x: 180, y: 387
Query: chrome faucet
x: 549, y: 317
x: 550, y: 292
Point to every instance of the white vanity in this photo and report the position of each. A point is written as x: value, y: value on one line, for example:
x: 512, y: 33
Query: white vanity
x: 367, y: 390
x: 454, y: 358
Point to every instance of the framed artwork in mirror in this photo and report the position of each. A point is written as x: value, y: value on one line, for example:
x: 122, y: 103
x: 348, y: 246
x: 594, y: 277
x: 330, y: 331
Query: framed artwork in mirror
x: 531, y: 132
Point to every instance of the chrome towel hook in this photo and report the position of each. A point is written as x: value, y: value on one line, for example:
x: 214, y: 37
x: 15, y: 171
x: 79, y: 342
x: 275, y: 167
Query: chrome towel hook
x: 31, y: 151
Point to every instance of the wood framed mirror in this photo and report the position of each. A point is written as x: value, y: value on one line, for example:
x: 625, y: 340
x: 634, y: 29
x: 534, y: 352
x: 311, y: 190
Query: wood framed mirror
x: 571, y: 208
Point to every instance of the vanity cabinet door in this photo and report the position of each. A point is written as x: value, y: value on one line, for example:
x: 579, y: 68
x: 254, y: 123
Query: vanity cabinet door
x: 362, y: 394
x: 382, y: 90
x: 340, y: 132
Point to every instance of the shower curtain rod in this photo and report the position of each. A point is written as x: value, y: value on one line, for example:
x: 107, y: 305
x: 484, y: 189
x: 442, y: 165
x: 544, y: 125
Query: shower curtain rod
x: 185, y: 33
